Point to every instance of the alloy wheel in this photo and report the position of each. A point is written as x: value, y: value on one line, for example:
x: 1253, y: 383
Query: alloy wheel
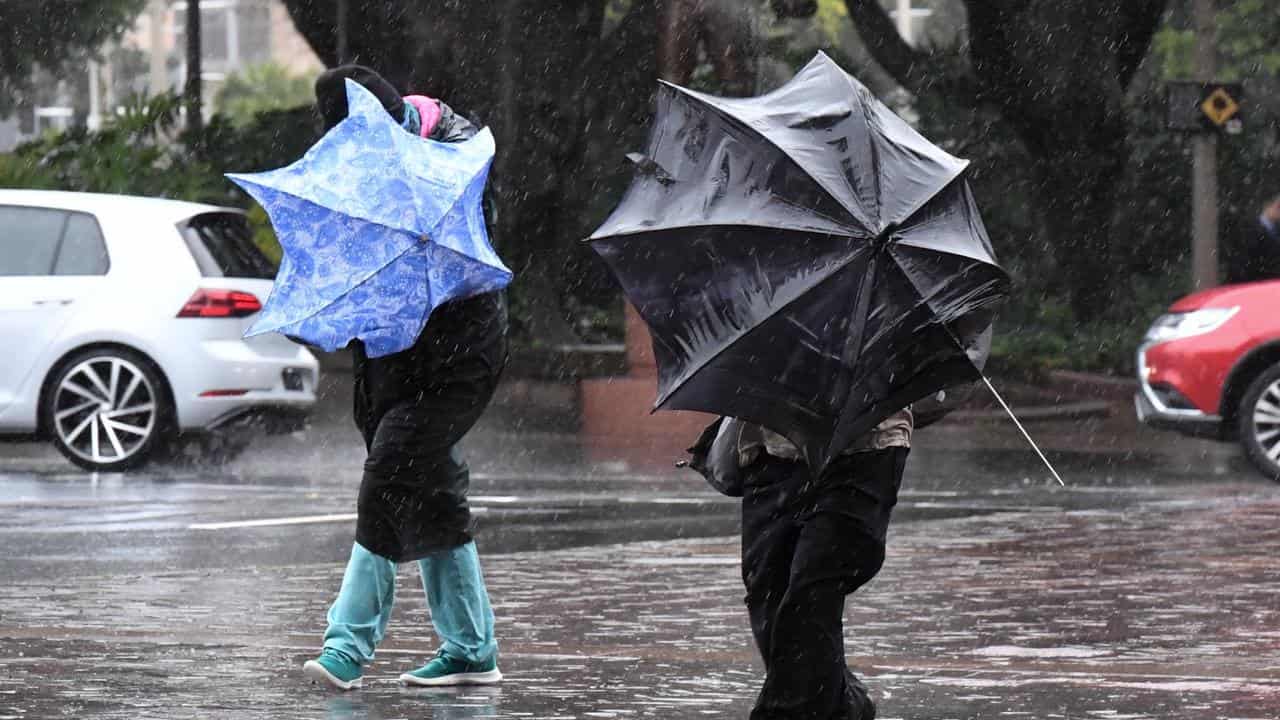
x: 104, y: 410
x: 1266, y: 422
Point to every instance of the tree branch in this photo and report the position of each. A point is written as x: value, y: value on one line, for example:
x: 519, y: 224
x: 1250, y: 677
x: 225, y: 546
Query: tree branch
x: 941, y: 70
x: 881, y: 37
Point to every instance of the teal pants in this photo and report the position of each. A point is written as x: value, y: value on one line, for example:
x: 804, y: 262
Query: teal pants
x: 456, y: 594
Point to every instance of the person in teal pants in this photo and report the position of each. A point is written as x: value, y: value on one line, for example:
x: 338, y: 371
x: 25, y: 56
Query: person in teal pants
x: 412, y: 408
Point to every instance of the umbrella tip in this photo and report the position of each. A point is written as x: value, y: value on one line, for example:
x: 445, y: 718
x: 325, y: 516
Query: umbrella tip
x: 649, y: 166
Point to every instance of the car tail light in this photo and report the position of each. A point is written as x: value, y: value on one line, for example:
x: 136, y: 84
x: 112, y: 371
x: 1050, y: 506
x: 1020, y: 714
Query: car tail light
x: 223, y: 393
x: 220, y: 304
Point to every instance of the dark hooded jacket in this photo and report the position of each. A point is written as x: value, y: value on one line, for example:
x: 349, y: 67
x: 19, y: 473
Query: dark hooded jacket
x: 414, y: 406
x: 1252, y: 253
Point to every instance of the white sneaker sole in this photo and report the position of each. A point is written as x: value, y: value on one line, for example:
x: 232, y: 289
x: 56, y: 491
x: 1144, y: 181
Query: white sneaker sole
x: 492, y: 677
x: 317, y: 673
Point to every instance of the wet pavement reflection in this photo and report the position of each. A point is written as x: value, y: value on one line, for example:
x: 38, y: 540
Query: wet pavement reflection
x: 1146, y: 589
x: 1137, y: 603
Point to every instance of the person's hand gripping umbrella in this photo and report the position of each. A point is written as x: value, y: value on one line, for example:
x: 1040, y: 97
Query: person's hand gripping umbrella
x: 379, y: 228
x: 804, y: 260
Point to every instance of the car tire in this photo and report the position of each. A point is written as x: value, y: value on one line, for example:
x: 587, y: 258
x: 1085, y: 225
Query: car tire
x: 1259, y: 420
x: 106, y: 409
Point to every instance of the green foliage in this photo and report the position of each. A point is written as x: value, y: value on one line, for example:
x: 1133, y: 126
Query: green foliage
x: 1248, y: 39
x: 52, y: 35
x: 23, y: 171
x: 261, y: 88
x: 264, y: 236
x: 832, y: 19
x: 135, y: 153
x: 1038, y: 333
x: 1175, y: 49
x: 141, y: 151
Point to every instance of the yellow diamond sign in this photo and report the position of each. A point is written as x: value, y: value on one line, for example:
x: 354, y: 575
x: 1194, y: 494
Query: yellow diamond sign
x: 1219, y: 107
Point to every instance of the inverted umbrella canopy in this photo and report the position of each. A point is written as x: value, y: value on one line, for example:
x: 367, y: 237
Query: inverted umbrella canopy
x: 379, y: 227
x: 804, y: 260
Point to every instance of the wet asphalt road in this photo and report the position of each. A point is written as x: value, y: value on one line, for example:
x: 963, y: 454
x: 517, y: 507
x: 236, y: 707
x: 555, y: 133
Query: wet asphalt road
x: 1146, y: 589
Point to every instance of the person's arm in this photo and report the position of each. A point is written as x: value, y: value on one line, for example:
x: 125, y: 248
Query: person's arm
x: 1270, y: 220
x: 452, y: 127
x: 437, y: 121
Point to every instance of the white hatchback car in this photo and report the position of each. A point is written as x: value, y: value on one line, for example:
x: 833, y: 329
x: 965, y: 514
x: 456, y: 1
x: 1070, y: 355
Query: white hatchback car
x: 122, y: 319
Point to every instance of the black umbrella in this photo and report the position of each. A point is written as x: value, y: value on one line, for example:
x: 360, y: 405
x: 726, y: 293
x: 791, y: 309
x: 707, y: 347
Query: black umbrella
x: 804, y: 259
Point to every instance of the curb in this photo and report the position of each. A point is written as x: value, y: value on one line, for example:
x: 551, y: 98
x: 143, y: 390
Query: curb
x: 1046, y: 413
x: 1093, y: 385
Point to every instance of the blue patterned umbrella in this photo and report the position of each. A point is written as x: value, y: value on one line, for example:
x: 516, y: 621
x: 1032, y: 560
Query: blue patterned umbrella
x: 379, y: 227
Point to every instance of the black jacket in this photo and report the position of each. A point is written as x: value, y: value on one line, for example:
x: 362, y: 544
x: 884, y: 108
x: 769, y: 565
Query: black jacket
x: 1252, y: 254
x: 412, y: 408
x: 452, y: 127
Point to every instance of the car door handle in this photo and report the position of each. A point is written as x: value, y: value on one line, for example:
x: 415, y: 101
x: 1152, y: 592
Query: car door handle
x: 54, y: 301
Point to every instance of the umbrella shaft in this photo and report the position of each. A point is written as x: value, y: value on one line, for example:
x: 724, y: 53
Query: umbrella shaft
x: 1025, y: 434
x: 861, y: 311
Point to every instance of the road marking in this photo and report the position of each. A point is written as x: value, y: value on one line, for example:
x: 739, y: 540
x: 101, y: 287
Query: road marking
x: 269, y: 522
x: 299, y: 520
x: 498, y: 499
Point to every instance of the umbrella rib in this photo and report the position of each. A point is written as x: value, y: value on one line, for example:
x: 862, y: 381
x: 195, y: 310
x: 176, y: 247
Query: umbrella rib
x: 922, y: 300
x: 940, y: 251
x: 723, y: 113
x: 861, y: 313
x: 744, y: 224
x: 311, y: 201
x: 1025, y: 434
x: 329, y: 303
x: 471, y: 179
x: 800, y: 294
x: 353, y: 287
x: 875, y: 153
x: 1008, y: 410
x: 927, y: 299
x: 875, y: 162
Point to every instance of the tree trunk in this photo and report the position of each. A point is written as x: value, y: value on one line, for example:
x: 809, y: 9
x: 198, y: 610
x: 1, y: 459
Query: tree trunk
x: 194, y: 89
x: 724, y: 29
x: 342, y: 36
x: 553, y: 86
x: 1076, y: 194
x: 1057, y: 72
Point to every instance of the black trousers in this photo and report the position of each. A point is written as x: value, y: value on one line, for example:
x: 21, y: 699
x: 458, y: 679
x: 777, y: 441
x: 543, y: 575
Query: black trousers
x: 805, y: 546
x: 413, y: 408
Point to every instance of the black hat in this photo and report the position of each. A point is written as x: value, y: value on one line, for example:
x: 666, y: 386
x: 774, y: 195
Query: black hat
x: 331, y: 93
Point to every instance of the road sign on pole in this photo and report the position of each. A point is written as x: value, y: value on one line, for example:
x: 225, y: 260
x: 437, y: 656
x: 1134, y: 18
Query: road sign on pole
x: 1195, y: 106
x: 1217, y: 107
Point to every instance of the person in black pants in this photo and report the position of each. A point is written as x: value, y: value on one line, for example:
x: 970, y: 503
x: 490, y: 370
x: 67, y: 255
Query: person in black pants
x: 413, y: 407
x: 807, y: 544
x: 1255, y: 254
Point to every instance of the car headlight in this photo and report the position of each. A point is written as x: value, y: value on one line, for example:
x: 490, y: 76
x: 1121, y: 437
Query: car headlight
x: 1176, y: 326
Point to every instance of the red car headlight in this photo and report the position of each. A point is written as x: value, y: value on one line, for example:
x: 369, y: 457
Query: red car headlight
x: 1176, y: 326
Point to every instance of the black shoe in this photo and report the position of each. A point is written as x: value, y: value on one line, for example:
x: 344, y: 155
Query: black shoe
x: 860, y: 705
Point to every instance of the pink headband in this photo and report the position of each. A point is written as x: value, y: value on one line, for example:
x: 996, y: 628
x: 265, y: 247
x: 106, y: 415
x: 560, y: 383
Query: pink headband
x: 428, y: 111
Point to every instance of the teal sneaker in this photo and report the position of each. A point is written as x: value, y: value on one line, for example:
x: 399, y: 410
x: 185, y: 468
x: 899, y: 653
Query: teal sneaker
x: 335, y: 669
x: 444, y: 670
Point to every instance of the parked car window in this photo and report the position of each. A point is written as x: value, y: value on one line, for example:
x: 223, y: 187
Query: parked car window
x: 29, y: 239
x: 83, y: 251
x: 222, y: 245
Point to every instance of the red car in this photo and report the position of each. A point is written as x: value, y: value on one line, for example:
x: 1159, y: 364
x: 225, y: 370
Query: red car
x: 1211, y: 368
